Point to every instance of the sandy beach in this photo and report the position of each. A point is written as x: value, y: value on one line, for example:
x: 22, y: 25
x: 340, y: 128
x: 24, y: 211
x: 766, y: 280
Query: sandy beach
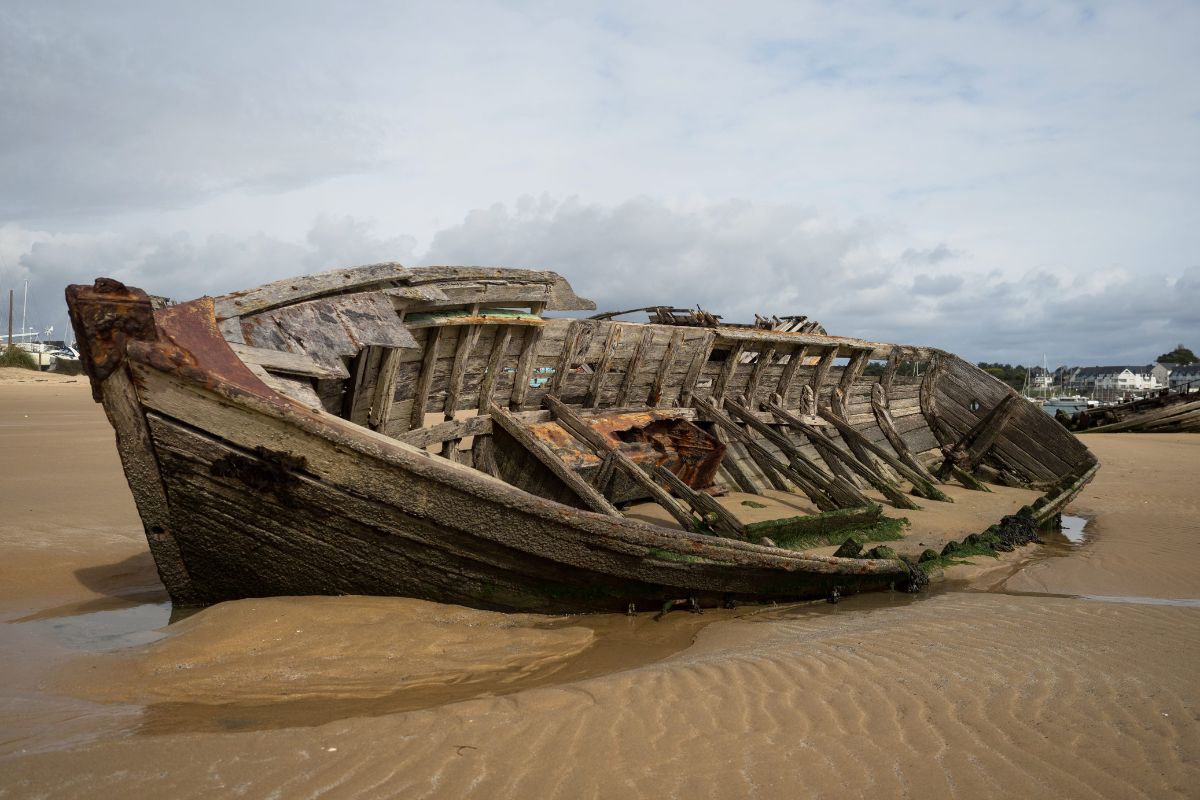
x: 1064, y: 670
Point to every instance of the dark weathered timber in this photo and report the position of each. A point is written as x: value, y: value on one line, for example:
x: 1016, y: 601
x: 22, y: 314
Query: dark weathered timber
x: 970, y: 450
x: 733, y: 357
x: 525, y: 366
x: 283, y: 478
x: 587, y: 493
x: 633, y: 368
x: 596, y: 388
x: 730, y: 462
x: 823, y: 501
x: 841, y: 491
x: 664, y: 368
x: 833, y: 453
x: 421, y: 397
x: 572, y: 422
x: 787, y: 378
x: 712, y: 514
x: 921, y: 486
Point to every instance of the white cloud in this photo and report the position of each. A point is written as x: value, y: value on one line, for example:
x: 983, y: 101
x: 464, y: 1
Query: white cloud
x: 970, y: 175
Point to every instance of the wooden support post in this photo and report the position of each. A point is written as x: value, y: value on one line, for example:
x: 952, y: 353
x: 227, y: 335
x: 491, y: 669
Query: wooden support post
x: 696, y: 368
x: 635, y: 364
x: 853, y: 438
x: 760, y: 367
x: 929, y: 408
x: 883, y: 417
x: 425, y: 380
x: 525, y: 366
x: 831, y: 452
x: 664, y: 368
x: 578, y: 427
x: 385, y: 389
x: 788, y: 376
x: 729, y: 461
x: 821, y: 372
x: 492, y: 372
x: 732, y: 357
x: 970, y: 450
x: 839, y: 489
x: 586, y: 492
x: 604, y: 474
x: 483, y: 455
x: 567, y: 358
x: 467, y: 339
x: 714, y: 515
x: 761, y: 454
x: 596, y: 387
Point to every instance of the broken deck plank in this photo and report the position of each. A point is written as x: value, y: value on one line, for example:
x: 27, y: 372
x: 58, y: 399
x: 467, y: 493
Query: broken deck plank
x: 425, y: 379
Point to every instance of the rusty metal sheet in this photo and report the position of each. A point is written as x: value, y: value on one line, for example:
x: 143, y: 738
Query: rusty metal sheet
x: 653, y: 437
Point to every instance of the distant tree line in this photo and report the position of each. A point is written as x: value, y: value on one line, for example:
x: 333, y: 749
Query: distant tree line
x: 1013, y: 376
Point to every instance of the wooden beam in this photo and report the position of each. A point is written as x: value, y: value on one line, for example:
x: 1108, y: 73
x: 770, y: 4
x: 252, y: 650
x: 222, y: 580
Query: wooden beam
x: 664, y: 368
x: 596, y: 387
x: 831, y: 452
x: 567, y: 357
x: 525, y: 366
x: 975, y: 444
x: 586, y: 492
x: 285, y: 362
x: 730, y: 462
x: 425, y: 379
x: 788, y: 377
x: 761, y: 454
x: 635, y: 364
x: 581, y: 430
x: 760, y: 367
x: 714, y: 515
x: 929, y: 408
x: 732, y: 357
x: 883, y: 417
x: 854, y: 438
x: 385, y: 389
x: 839, y: 489
x: 450, y: 429
x: 820, y: 372
x: 699, y: 359
x: 467, y: 339
x: 488, y: 385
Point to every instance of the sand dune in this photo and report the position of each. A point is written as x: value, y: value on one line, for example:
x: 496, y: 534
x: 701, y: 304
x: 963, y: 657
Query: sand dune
x: 955, y: 693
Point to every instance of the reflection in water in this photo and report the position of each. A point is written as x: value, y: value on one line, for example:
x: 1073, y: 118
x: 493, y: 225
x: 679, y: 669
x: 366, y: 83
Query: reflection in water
x: 130, y: 624
x: 1073, y: 528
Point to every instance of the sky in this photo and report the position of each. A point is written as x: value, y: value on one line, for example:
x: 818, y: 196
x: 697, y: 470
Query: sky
x: 1010, y: 181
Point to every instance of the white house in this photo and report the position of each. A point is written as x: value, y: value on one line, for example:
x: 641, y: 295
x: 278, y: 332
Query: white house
x: 1108, y: 383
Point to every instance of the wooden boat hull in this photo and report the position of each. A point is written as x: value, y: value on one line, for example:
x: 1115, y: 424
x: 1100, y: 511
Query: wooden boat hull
x: 245, y: 491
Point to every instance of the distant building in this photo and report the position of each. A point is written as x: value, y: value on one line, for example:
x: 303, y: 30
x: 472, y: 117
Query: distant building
x: 1189, y: 373
x: 1112, y: 383
x: 1040, y: 378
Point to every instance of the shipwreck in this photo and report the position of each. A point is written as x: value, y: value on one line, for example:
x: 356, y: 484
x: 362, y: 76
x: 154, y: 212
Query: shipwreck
x: 431, y: 433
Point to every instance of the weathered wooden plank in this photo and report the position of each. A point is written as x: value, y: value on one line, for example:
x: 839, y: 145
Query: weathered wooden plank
x: 851, y: 436
x: 462, y: 356
x: 587, y: 493
x: 820, y: 373
x: 596, y: 386
x: 525, y: 366
x: 733, y: 357
x: 760, y: 368
x: 787, y: 378
x: 833, y: 453
x: 699, y: 360
x: 385, y: 390
x: 884, y: 419
x: 570, y: 420
x: 570, y: 344
x: 307, y: 287
x: 665, y: 366
x: 287, y: 362
x: 449, y: 430
x: 762, y: 455
x: 713, y: 514
x: 425, y: 379
x: 492, y: 371
x: 634, y: 366
x: 838, y: 489
x: 971, y: 448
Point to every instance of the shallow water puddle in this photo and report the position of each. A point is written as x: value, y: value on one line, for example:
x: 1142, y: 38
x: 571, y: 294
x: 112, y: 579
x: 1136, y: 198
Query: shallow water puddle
x: 105, y: 629
x: 1073, y: 528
